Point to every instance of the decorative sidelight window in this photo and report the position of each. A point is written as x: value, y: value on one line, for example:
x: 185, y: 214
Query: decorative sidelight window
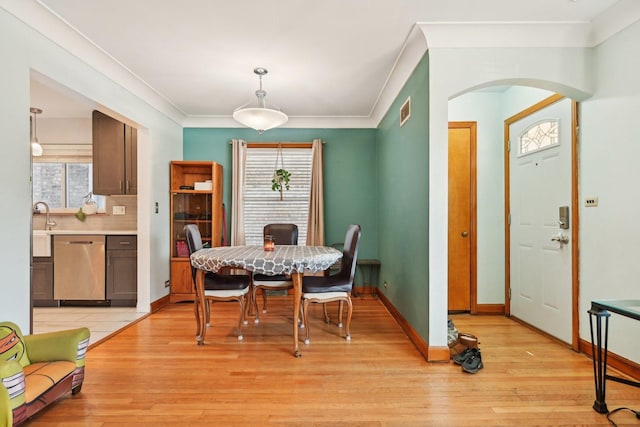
x: 540, y: 135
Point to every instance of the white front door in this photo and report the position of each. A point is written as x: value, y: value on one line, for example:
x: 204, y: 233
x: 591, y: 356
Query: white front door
x: 540, y: 183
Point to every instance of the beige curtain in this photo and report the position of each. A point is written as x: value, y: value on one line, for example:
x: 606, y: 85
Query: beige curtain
x: 315, y: 225
x: 239, y: 148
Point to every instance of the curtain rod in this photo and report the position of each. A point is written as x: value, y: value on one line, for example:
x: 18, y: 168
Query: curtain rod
x: 278, y: 142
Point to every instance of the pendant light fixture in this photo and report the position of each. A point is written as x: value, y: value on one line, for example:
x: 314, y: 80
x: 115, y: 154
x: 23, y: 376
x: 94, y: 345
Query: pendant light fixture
x: 260, y: 118
x: 36, y: 148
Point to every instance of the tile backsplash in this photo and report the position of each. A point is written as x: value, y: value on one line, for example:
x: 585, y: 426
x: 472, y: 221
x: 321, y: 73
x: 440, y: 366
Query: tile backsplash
x: 106, y: 222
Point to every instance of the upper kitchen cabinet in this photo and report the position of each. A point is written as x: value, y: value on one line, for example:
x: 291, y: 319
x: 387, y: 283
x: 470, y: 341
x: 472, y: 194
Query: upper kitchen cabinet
x: 115, y: 147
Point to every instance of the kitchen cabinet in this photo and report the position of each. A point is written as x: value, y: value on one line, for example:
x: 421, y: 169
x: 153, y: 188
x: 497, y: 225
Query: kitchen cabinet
x: 193, y: 201
x: 115, y: 148
x: 122, y: 271
x: 42, y: 282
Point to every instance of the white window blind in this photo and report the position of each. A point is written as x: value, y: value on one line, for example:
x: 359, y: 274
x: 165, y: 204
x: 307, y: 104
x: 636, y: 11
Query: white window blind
x: 63, y: 176
x: 262, y: 205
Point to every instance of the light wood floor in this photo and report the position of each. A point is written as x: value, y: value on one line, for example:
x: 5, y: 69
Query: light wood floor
x: 154, y: 374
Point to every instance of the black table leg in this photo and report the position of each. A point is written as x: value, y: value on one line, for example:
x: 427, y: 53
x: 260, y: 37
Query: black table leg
x: 599, y: 355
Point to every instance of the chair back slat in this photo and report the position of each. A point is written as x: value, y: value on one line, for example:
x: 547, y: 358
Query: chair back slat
x: 283, y: 234
x: 194, y: 243
x: 350, y: 252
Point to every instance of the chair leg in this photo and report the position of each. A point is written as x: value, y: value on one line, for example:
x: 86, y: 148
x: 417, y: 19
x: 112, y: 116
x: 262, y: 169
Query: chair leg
x: 349, y: 313
x: 264, y: 300
x: 305, y: 310
x: 254, y: 303
x: 242, y: 319
x: 301, y: 316
x: 245, y: 304
x: 196, y: 309
x: 340, y: 306
x: 326, y: 314
x: 207, y: 312
x: 250, y: 303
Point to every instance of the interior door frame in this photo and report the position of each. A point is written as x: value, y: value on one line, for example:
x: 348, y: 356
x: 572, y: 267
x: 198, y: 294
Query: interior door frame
x: 575, y: 283
x: 473, y: 185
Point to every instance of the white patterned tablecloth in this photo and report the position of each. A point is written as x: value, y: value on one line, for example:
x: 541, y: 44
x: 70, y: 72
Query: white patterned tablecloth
x: 283, y: 260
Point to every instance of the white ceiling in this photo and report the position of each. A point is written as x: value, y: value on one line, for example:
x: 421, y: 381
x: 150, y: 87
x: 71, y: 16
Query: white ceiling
x: 329, y: 58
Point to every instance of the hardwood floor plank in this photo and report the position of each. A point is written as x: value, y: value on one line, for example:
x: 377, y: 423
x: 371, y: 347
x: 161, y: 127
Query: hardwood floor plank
x: 154, y: 374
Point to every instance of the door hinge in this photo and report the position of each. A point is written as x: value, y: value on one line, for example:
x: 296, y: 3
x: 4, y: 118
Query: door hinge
x: 509, y: 146
x: 509, y: 219
x: 509, y: 294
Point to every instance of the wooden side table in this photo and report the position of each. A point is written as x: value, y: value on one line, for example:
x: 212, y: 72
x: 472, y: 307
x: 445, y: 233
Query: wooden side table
x: 368, y: 267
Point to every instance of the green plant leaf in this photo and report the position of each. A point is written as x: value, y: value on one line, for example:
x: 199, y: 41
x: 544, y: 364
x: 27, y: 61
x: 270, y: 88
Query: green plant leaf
x: 281, y: 178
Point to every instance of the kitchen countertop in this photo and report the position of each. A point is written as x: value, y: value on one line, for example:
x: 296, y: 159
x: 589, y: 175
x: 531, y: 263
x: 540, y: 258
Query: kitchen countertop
x: 84, y: 232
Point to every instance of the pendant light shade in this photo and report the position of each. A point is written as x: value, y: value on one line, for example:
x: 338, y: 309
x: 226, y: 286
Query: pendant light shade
x: 260, y: 118
x: 36, y: 148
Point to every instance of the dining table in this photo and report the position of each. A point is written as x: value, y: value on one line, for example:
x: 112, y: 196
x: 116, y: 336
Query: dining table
x: 282, y: 259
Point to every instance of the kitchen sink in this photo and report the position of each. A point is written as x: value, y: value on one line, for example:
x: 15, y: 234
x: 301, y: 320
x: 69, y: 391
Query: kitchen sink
x: 41, y: 243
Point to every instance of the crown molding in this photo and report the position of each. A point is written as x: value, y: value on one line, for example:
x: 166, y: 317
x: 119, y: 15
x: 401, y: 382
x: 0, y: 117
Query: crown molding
x: 293, y: 122
x: 413, y: 49
x: 421, y: 37
x: 45, y: 22
x: 618, y: 17
x: 505, y: 34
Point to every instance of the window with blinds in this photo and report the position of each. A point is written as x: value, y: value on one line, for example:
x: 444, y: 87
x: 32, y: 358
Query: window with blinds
x: 63, y: 176
x: 262, y: 205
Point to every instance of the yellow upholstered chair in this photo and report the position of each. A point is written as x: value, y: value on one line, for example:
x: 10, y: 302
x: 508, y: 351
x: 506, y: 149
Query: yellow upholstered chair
x: 37, y: 369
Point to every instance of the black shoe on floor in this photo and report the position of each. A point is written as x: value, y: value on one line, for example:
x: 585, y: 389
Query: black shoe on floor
x: 461, y: 357
x: 473, y: 363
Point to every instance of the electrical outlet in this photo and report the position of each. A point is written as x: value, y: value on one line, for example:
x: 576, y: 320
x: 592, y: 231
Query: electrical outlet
x: 167, y: 283
x: 118, y: 210
x: 591, y: 202
x: 385, y: 284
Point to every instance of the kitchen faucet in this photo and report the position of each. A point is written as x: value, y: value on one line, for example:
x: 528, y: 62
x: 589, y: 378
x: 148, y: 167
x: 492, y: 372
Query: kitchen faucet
x: 48, y: 222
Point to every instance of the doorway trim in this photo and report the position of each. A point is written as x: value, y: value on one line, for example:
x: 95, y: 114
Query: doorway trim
x: 575, y: 284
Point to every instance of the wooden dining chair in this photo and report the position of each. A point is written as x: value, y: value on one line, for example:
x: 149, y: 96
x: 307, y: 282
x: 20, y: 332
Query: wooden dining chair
x: 217, y: 287
x: 334, y: 287
x: 283, y: 234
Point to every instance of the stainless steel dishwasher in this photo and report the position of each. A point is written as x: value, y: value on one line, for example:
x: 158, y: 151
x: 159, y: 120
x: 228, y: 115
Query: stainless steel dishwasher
x: 78, y: 268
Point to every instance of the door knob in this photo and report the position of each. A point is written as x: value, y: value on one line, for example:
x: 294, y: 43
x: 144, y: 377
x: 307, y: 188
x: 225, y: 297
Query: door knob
x: 561, y: 238
x: 464, y: 234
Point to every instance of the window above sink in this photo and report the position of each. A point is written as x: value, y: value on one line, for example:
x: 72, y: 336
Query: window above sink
x: 62, y: 177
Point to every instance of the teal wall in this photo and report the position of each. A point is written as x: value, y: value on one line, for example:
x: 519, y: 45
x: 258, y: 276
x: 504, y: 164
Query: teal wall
x: 403, y: 187
x: 350, y: 175
x: 378, y: 178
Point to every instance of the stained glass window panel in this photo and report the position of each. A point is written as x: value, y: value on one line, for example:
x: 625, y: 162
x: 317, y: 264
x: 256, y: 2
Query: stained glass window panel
x: 539, y: 136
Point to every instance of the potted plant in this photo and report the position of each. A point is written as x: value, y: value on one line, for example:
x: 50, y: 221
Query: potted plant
x: 280, y: 180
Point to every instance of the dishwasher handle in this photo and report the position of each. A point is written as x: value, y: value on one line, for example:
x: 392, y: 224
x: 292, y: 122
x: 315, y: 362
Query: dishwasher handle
x: 81, y: 242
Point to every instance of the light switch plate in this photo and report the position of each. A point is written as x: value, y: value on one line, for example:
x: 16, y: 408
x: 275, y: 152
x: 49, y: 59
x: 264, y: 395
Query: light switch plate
x: 118, y: 210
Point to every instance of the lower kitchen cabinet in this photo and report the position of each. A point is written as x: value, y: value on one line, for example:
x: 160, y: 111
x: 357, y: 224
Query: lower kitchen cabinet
x: 42, y: 282
x: 122, y: 271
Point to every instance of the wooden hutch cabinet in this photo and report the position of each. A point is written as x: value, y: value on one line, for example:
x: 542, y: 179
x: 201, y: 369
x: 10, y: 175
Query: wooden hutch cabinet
x: 196, y: 198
